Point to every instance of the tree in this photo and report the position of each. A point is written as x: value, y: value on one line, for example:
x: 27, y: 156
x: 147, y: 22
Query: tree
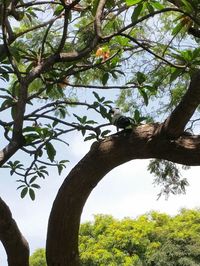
x: 38, y: 258
x: 149, y: 48
x: 151, y: 239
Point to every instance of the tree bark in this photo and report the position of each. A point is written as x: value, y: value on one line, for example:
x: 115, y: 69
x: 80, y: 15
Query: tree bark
x: 176, y: 122
x: 139, y: 143
x: 15, y: 244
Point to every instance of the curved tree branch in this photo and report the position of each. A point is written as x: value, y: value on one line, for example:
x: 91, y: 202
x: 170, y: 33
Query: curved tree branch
x: 176, y: 122
x: 16, y: 246
x: 115, y: 150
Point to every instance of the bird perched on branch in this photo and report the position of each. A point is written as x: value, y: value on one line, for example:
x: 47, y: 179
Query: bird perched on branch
x: 119, y: 120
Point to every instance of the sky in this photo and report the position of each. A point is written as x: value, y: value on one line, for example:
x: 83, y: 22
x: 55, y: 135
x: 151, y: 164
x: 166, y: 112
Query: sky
x: 127, y: 191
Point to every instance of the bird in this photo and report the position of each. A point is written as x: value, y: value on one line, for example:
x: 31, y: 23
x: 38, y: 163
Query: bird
x: 119, y: 120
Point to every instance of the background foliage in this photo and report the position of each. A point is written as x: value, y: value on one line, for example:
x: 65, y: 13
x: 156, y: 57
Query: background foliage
x: 151, y: 239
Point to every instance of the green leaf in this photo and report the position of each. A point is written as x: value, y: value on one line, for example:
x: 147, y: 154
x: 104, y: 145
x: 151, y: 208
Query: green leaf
x: 24, y: 192
x: 110, y: 3
x: 114, y: 75
x: 83, y: 131
x: 133, y: 2
x: 35, y: 186
x: 54, y: 123
x: 94, y: 8
x: 32, y: 179
x: 21, y: 186
x: 15, y: 53
x: 188, y: 6
x: 62, y: 111
x: 178, y: 28
x: 64, y: 161
x: 58, y: 10
x: 51, y: 152
x: 105, y: 78
x: 157, y: 5
x: 60, y: 168
x: 136, y: 13
x: 196, y: 52
x: 150, y: 7
x: 84, y: 119
x: 31, y: 137
x: 140, y: 77
x: 78, y: 118
x: 29, y: 129
x: 91, y: 122
x: 176, y: 73
x: 95, y: 105
x: 32, y: 193
x: 152, y: 89
x: 96, y: 95
x: 91, y: 136
x: 136, y: 115
x: 105, y: 133
x: 7, y: 103
x: 103, y: 111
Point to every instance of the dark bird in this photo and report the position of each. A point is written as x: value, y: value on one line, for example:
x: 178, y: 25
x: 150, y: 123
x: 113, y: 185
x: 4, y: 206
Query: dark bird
x: 119, y: 120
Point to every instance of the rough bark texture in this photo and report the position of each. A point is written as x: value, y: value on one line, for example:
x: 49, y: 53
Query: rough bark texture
x: 16, y: 246
x: 175, y: 123
x: 104, y: 156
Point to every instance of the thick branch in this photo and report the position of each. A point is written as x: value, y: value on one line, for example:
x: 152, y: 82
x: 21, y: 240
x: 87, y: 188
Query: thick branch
x: 17, y: 140
x: 6, y: 30
x: 16, y: 246
x: 107, y: 154
x: 178, y: 119
x: 9, y: 151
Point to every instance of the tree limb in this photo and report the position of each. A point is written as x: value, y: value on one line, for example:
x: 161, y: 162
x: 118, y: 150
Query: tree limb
x: 9, y: 151
x: 176, y: 122
x: 115, y: 150
x: 15, y: 244
x: 98, y: 18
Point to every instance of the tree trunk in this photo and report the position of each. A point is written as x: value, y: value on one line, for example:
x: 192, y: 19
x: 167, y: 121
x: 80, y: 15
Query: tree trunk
x: 15, y: 244
x: 62, y: 238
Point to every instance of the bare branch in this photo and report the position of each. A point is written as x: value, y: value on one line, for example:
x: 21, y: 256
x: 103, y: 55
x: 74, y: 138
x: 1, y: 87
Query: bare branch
x: 49, y: 22
x: 98, y: 18
x: 150, y: 15
x: 65, y: 26
x: 122, y: 87
x: 151, y: 52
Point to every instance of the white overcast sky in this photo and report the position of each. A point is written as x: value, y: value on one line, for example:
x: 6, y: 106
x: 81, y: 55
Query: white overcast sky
x: 125, y: 191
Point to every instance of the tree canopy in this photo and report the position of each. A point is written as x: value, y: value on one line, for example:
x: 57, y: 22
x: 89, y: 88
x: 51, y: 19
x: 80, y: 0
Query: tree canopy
x: 146, y: 51
x: 151, y: 239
